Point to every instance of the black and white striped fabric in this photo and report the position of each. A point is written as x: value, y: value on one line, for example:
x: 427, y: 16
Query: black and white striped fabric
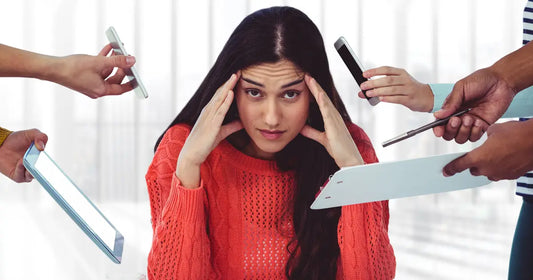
x: 524, y: 184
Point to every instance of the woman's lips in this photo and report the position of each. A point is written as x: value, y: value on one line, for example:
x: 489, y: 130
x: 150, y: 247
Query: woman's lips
x: 271, y: 134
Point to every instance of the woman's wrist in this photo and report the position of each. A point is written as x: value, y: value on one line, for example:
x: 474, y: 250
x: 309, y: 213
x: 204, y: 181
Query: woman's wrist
x: 48, y: 68
x: 429, y: 101
x: 188, y: 174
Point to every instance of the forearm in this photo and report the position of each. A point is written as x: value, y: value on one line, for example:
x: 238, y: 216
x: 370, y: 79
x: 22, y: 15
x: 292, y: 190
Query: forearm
x: 516, y: 68
x: 180, y: 246
x: 188, y: 173
x: 20, y: 63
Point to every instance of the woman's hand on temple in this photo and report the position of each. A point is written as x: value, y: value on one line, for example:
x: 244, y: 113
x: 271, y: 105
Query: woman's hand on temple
x: 336, y: 138
x: 207, y: 133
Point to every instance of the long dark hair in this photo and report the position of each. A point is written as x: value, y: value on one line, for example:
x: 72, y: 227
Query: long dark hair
x: 268, y: 36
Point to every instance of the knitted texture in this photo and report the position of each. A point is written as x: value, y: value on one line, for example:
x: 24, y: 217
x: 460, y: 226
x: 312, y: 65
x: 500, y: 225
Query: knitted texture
x: 4, y: 133
x: 237, y: 225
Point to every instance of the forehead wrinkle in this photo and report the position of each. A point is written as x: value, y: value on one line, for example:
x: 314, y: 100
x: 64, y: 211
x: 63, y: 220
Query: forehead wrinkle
x: 280, y: 73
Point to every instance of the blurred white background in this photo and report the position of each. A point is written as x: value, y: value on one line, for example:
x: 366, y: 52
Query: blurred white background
x: 106, y: 145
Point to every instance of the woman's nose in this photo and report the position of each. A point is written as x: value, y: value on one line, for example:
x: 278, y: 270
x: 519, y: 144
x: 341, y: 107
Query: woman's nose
x: 272, y: 114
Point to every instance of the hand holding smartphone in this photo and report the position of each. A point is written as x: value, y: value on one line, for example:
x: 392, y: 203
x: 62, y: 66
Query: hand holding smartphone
x: 355, y: 67
x: 131, y: 73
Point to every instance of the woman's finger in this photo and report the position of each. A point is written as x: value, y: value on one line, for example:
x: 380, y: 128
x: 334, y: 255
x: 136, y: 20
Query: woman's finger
x: 105, y: 50
x: 383, y: 82
x: 322, y: 99
x: 313, y: 134
x: 383, y: 70
x: 228, y: 129
x: 386, y: 91
x: 117, y: 78
x: 396, y: 99
x: 221, y: 93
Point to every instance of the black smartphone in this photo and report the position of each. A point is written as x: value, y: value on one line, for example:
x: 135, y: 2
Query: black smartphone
x: 353, y: 64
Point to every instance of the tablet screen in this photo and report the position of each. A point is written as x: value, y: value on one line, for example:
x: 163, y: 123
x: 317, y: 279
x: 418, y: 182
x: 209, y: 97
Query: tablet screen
x: 75, y: 199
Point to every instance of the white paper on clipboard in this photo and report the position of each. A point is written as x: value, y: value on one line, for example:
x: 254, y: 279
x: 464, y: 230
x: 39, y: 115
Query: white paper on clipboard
x: 383, y: 181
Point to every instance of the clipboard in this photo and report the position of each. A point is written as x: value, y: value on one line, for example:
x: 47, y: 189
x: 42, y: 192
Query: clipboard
x: 74, y: 202
x: 389, y: 180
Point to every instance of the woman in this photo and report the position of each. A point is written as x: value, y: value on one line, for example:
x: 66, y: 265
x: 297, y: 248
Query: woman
x: 235, y: 173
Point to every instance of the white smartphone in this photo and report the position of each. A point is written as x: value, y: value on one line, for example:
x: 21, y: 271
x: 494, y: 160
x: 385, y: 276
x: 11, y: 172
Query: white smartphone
x: 78, y: 206
x: 355, y: 67
x: 131, y: 73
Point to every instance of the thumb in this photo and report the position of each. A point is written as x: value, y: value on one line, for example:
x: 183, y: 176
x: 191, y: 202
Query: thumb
x: 452, y: 103
x: 120, y: 61
x: 457, y: 165
x: 230, y: 128
x: 38, y: 138
x: 312, y: 133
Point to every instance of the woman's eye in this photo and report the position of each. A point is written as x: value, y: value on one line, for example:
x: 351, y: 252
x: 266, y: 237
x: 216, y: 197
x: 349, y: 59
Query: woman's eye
x: 253, y: 92
x: 291, y: 94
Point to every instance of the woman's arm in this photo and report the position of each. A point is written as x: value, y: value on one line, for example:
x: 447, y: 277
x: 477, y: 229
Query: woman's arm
x: 180, y: 245
x: 362, y: 232
x: 89, y: 75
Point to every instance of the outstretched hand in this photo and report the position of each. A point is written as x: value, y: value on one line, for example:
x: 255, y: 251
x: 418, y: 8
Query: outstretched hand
x: 90, y: 75
x: 336, y: 138
x: 398, y: 87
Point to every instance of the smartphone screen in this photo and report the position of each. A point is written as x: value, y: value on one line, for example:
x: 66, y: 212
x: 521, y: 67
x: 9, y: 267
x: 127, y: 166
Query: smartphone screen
x: 353, y: 65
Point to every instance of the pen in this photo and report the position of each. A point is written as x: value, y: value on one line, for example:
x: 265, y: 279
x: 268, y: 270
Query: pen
x: 420, y: 129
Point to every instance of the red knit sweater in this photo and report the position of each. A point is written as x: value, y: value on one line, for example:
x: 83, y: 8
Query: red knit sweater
x: 235, y: 225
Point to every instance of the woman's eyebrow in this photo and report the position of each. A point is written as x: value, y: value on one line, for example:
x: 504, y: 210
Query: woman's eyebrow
x: 283, y: 86
x: 252, y: 82
x: 292, y: 83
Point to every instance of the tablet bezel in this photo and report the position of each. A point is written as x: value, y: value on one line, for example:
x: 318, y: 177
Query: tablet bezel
x: 390, y: 180
x: 29, y: 160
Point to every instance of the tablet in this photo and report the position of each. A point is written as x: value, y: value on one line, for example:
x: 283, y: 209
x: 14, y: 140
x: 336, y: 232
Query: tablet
x: 74, y: 202
x: 131, y: 73
x: 383, y: 181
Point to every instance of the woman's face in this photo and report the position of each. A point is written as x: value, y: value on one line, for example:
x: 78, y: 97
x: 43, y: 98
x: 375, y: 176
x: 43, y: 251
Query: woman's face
x: 273, y: 104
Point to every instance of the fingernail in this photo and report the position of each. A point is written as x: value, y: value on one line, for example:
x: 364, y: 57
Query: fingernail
x: 363, y: 86
x: 468, y: 122
x: 478, y: 123
x: 130, y: 59
x: 455, y: 123
x: 40, y: 145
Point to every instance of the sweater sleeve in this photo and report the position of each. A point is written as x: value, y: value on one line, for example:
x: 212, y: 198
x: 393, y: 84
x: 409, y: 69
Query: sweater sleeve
x: 521, y: 106
x: 366, y: 252
x: 180, y: 244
